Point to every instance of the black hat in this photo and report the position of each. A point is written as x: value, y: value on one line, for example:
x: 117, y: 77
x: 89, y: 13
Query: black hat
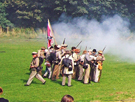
x: 94, y: 50
x: 73, y: 48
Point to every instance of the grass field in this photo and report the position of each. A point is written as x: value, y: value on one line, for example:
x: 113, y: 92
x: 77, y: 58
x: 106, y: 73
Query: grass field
x: 117, y: 81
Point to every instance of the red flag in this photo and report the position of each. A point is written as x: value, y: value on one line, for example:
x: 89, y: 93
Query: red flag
x: 49, y: 35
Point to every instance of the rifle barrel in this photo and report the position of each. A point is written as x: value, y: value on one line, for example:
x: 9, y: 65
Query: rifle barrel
x: 104, y: 48
x: 86, y: 48
x: 78, y: 44
x: 64, y: 41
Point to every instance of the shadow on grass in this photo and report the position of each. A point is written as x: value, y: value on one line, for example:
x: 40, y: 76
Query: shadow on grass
x: 81, y: 81
x: 56, y: 81
x: 24, y: 80
x: 27, y: 73
x: 33, y: 82
x: 60, y: 83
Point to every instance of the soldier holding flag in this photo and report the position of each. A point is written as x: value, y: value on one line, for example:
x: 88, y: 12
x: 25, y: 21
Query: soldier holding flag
x: 48, y: 63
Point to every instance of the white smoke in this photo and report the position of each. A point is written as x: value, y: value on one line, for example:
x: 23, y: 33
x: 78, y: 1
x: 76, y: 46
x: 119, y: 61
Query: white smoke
x: 111, y: 32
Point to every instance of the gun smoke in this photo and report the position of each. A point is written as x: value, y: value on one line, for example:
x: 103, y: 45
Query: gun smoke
x: 112, y: 32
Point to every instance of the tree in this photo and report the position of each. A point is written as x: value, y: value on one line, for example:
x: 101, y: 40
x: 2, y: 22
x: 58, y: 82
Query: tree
x: 24, y: 12
x: 31, y: 13
x: 34, y: 13
x: 4, y: 22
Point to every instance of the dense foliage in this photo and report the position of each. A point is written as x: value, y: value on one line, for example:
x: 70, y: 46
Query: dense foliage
x: 34, y: 13
x: 3, y: 20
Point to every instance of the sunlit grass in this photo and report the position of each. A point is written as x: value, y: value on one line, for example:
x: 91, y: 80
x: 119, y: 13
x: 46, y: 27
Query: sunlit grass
x: 117, y: 80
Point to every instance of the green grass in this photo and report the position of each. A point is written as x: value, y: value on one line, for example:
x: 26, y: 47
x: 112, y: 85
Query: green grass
x: 117, y: 80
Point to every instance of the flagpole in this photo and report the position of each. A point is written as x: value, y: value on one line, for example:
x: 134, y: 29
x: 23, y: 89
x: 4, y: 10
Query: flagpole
x: 52, y: 32
x: 47, y: 36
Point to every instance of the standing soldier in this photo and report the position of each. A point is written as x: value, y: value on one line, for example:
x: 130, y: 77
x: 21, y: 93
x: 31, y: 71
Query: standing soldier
x: 76, y: 58
x: 99, y: 60
x: 48, y: 63
x: 81, y: 71
x: 94, y: 51
x: 88, y: 59
x: 62, y: 52
x: 73, y: 49
x: 41, y: 55
x: 63, y: 49
x: 56, y: 69
x: 33, y: 67
x: 93, y: 65
x: 67, y: 64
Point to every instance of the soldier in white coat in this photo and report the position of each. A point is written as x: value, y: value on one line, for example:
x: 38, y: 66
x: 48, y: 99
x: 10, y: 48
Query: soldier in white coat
x: 67, y: 70
x: 88, y: 58
x: 76, y: 58
x: 81, y: 69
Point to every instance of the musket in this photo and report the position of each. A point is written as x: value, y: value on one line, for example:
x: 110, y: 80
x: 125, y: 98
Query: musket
x: 64, y: 41
x: 80, y: 48
x: 104, y: 48
x: 78, y: 44
x: 86, y: 48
